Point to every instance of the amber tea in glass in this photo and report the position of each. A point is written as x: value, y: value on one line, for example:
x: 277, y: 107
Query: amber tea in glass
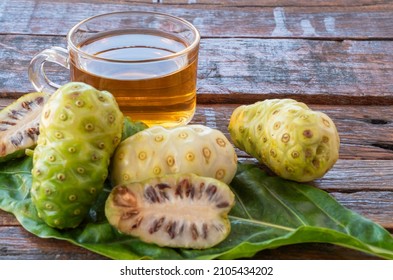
x: 148, y: 61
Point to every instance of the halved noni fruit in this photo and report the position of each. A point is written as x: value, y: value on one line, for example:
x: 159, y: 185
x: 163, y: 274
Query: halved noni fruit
x: 19, y: 125
x: 176, y: 210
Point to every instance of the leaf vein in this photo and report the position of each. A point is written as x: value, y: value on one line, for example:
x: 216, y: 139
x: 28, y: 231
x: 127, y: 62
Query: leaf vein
x: 261, y: 223
x: 286, y: 206
x: 324, y: 211
x: 242, y: 205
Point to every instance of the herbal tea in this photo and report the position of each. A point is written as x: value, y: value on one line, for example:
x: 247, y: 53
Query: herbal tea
x: 125, y: 63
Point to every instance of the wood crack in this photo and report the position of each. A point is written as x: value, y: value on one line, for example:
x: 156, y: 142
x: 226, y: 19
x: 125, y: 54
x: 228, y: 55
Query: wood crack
x: 385, y: 146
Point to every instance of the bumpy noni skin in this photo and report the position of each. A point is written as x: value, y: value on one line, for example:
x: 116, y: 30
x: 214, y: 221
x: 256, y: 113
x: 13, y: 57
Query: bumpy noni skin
x: 294, y: 141
x: 158, y: 151
x: 175, y: 210
x: 79, y: 129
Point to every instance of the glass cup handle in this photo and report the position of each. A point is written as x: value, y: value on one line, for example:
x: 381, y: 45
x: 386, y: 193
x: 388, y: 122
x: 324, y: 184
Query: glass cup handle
x: 36, y: 70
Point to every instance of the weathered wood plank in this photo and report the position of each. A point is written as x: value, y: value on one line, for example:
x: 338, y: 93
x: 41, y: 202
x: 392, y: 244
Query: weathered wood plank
x: 269, y: 19
x: 350, y: 177
x: 7, y: 219
x: 290, y: 3
x: 16, y: 243
x: 242, y: 3
x: 348, y: 72
x: 243, y: 70
x: 366, y: 132
x: 312, y: 251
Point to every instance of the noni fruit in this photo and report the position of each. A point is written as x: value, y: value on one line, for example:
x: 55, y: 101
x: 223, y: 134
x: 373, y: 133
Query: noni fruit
x: 19, y: 125
x: 79, y: 129
x: 294, y: 141
x: 158, y: 151
x: 175, y: 210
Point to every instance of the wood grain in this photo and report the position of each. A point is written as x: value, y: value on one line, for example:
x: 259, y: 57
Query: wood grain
x: 272, y: 19
x: 246, y: 70
x: 17, y: 244
x: 333, y: 55
x: 312, y: 71
x: 366, y: 132
x: 290, y: 3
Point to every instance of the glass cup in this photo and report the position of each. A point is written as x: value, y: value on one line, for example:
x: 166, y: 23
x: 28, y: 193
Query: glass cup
x: 148, y: 61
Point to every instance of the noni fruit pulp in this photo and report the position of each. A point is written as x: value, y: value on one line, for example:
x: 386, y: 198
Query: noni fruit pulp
x: 79, y: 129
x: 158, y: 151
x: 175, y: 210
x: 294, y: 141
x: 19, y: 125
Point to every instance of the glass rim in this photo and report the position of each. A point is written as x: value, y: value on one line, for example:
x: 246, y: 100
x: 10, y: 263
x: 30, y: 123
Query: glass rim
x: 186, y: 50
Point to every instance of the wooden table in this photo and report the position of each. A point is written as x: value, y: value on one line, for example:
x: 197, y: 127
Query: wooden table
x: 334, y: 55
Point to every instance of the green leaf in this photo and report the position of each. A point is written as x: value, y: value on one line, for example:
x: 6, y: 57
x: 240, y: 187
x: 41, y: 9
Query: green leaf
x: 280, y: 212
x: 269, y: 212
x: 131, y: 127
